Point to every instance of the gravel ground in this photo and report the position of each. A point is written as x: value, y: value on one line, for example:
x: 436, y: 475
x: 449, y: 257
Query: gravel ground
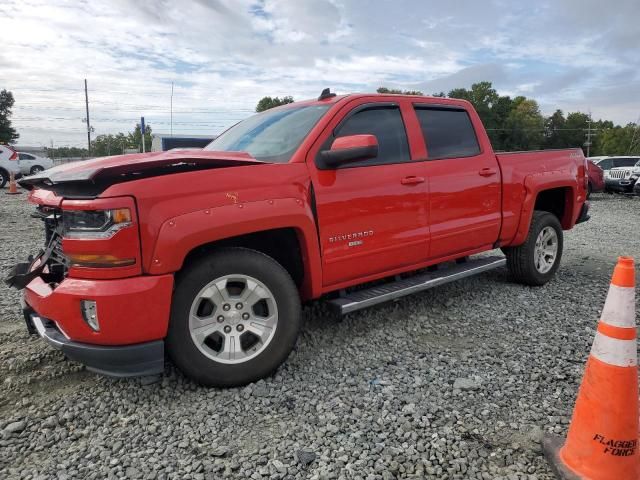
x: 457, y: 382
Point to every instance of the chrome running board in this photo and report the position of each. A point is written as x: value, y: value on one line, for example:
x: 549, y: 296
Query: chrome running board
x: 359, y: 299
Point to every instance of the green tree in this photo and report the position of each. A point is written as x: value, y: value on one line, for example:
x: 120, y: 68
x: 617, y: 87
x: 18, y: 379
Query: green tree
x: 618, y: 140
x: 396, y: 91
x: 67, y: 152
x: 134, y: 138
x: 266, y: 103
x: 8, y: 134
x: 105, y: 145
x: 492, y: 108
x: 524, y: 125
x: 554, y: 128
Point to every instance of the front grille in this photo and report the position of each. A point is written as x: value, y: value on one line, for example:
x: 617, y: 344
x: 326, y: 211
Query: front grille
x: 619, y: 174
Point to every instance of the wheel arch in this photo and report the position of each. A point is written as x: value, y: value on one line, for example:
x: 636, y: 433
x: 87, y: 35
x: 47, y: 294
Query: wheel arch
x: 287, y: 234
x: 556, y: 198
x: 281, y: 244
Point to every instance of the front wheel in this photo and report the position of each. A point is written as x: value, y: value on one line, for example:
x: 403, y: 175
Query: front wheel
x: 536, y: 261
x: 235, y: 318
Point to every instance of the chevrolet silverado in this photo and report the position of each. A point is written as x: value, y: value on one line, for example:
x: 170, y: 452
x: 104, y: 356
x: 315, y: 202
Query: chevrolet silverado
x: 353, y: 199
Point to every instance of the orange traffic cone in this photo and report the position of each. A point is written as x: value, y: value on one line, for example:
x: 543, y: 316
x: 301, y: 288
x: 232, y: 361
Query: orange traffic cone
x: 13, y: 187
x: 602, y: 442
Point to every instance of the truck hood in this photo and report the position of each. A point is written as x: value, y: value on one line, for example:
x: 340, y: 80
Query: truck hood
x: 110, y: 170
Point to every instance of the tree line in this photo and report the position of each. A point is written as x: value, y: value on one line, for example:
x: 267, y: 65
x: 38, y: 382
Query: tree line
x: 517, y: 123
x: 107, y: 144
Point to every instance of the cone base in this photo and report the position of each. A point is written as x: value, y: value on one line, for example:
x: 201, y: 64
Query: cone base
x: 12, y: 193
x: 551, y: 445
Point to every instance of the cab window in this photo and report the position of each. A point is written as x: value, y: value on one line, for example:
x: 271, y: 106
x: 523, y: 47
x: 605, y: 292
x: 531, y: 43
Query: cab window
x: 385, y: 122
x: 448, y: 132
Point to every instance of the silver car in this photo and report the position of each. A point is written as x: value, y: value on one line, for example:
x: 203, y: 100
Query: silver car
x: 31, y: 164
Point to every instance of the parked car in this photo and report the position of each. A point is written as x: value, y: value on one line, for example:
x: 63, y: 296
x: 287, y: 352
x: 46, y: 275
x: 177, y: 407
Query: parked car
x: 31, y: 164
x: 596, y: 178
x: 210, y: 253
x: 607, y: 163
x: 8, y: 164
x: 636, y: 188
x: 622, y: 178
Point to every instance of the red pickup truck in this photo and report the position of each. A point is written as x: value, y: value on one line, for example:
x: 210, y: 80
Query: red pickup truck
x: 355, y: 199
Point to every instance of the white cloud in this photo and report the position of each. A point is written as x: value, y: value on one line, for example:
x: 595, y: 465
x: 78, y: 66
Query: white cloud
x: 223, y: 55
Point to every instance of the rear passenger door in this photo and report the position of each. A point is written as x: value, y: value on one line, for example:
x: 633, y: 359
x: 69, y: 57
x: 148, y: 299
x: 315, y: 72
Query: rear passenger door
x: 464, y: 182
x: 372, y: 214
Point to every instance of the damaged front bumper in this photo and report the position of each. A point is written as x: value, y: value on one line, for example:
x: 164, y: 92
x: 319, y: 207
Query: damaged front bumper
x: 133, y: 313
x: 116, y: 361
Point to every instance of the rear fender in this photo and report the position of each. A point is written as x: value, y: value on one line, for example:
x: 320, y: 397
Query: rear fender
x: 534, y: 185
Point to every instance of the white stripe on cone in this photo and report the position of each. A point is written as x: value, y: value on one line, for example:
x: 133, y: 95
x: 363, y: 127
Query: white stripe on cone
x: 622, y: 353
x: 620, y: 307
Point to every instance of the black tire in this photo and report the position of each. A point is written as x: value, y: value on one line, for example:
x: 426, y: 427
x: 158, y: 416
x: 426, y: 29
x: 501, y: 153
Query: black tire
x: 521, y: 259
x: 4, y: 177
x: 589, y: 190
x: 36, y: 169
x: 193, y: 278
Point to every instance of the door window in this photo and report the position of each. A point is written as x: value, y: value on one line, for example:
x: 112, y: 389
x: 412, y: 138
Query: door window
x: 625, y: 162
x: 605, y: 164
x: 447, y: 132
x: 385, y: 122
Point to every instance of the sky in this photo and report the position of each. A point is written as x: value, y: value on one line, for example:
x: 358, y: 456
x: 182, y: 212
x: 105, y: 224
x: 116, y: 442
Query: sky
x: 224, y: 55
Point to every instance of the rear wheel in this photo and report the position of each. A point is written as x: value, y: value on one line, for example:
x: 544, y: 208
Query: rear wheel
x: 589, y: 189
x: 36, y: 169
x: 4, y: 178
x: 536, y: 261
x: 235, y: 317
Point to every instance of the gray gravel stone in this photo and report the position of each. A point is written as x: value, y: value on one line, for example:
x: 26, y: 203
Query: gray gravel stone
x: 466, y: 384
x: 15, y: 427
x: 375, y: 395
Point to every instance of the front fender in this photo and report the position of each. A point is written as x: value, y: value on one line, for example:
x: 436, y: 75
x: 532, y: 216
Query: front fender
x: 181, y: 234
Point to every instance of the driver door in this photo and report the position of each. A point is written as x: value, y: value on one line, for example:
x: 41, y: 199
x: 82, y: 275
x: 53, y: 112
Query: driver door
x: 372, y: 214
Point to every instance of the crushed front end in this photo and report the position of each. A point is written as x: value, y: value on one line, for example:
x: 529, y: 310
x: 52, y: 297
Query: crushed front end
x: 85, y: 292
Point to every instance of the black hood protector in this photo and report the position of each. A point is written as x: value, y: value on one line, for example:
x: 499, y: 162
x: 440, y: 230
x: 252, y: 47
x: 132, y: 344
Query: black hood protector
x: 94, y: 179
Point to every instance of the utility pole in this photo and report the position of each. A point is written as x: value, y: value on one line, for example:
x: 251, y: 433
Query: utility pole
x: 86, y: 103
x: 171, y: 109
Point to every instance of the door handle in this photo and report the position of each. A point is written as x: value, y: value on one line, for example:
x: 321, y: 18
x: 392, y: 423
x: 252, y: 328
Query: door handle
x: 487, y: 172
x: 412, y: 180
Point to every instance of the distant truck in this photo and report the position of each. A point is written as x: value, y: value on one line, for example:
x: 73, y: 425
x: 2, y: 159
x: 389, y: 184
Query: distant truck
x: 163, y: 142
x: 211, y: 253
x: 622, y: 179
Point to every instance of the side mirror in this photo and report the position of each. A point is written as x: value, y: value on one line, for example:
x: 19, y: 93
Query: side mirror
x: 350, y: 149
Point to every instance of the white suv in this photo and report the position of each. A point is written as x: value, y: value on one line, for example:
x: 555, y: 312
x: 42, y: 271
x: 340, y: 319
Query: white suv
x: 8, y: 164
x: 31, y: 164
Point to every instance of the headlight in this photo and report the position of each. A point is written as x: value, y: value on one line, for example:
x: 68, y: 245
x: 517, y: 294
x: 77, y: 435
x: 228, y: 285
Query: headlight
x: 94, y: 224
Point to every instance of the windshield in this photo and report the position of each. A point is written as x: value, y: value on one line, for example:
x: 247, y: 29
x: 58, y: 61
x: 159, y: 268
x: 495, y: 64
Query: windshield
x: 271, y: 136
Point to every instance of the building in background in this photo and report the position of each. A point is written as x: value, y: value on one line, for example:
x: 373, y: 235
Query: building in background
x: 163, y: 141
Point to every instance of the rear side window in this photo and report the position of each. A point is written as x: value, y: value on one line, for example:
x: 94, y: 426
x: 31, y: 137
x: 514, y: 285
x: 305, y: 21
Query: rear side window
x: 625, y: 162
x: 387, y: 125
x: 605, y: 164
x: 448, y: 133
